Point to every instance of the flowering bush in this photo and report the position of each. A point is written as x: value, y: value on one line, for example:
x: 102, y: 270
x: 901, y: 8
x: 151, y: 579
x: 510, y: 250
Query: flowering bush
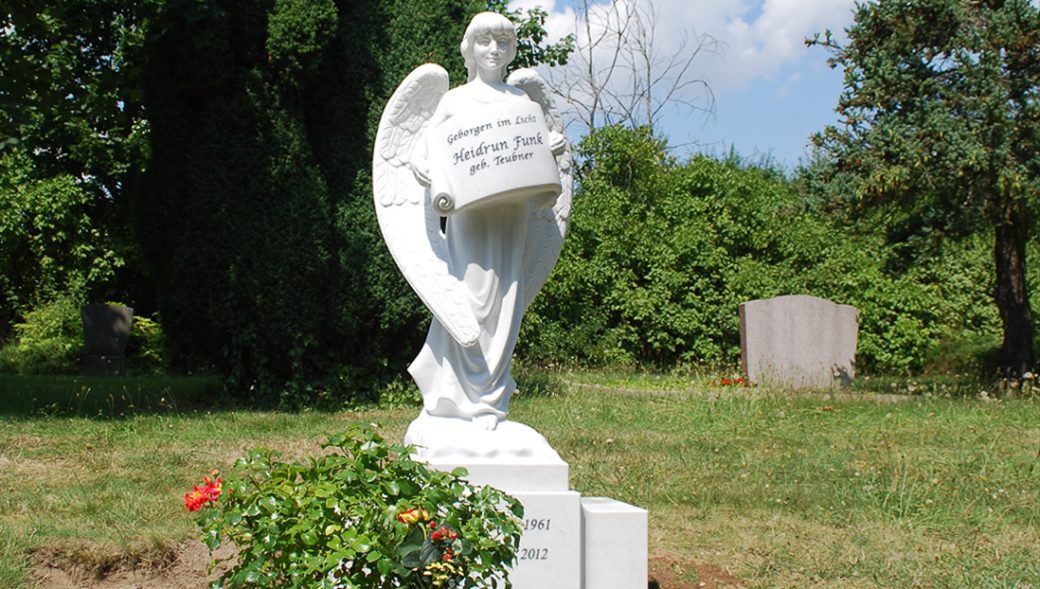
x: 730, y: 382
x: 363, y: 515
x: 207, y: 495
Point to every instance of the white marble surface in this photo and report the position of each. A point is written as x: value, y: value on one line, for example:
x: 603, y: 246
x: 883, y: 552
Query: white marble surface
x: 492, y: 155
x: 614, y: 549
x: 489, y: 156
x: 445, y: 438
x: 551, y: 546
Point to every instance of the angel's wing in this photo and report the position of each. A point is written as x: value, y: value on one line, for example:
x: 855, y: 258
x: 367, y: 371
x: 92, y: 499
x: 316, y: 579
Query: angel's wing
x: 546, y: 227
x: 409, y: 226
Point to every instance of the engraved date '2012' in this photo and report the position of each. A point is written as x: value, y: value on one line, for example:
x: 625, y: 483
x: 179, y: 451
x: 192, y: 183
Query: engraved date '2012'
x: 534, y: 554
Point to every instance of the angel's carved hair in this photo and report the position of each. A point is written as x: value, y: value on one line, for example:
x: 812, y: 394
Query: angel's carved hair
x: 486, y: 22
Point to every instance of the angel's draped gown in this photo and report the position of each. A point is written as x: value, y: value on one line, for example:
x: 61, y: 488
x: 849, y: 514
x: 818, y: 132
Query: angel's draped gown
x: 485, y: 249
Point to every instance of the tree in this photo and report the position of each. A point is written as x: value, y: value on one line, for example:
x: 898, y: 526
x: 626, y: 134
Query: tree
x: 940, y: 121
x: 257, y: 216
x: 661, y: 252
x: 74, y: 136
x: 70, y: 87
x: 619, y: 73
x: 50, y: 248
x: 531, y: 49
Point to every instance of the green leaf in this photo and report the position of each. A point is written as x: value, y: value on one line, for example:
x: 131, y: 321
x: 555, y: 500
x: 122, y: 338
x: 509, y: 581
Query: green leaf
x: 212, y: 540
x: 407, y: 488
x: 317, y: 538
x: 429, y: 553
x: 411, y: 560
x: 409, y: 546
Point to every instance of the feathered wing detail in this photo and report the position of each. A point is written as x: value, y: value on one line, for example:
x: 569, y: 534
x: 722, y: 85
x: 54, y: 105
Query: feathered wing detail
x: 409, y: 225
x: 546, y: 226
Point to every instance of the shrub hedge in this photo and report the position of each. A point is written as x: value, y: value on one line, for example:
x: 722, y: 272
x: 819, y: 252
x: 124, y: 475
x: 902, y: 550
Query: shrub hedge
x: 661, y: 253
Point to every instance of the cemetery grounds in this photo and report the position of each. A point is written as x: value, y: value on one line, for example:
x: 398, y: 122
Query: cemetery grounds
x: 892, y: 484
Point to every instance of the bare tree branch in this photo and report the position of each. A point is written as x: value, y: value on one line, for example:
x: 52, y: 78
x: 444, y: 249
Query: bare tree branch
x: 619, y: 72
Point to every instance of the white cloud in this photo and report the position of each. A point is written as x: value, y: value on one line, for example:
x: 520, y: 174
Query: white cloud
x: 757, y: 37
x: 787, y: 87
x: 561, y: 16
x: 772, y: 91
x: 764, y: 44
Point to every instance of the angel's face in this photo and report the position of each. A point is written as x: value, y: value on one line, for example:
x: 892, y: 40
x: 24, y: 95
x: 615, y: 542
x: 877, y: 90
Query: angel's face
x: 493, y: 50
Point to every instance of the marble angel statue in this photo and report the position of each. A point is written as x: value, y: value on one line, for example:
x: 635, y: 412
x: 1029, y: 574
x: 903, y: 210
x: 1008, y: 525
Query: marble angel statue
x: 472, y: 191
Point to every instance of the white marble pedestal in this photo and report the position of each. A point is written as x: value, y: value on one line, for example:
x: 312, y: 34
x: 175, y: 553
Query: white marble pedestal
x: 569, y: 541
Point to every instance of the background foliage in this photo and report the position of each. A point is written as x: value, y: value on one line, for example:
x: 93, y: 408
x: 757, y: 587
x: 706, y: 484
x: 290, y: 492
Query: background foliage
x: 73, y: 140
x: 237, y: 218
x: 940, y: 120
x: 48, y: 341
x: 662, y: 252
x: 257, y: 216
x: 50, y: 248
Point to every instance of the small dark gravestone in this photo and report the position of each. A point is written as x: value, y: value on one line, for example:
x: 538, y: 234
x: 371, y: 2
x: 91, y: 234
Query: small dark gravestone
x: 106, y: 329
x: 798, y: 341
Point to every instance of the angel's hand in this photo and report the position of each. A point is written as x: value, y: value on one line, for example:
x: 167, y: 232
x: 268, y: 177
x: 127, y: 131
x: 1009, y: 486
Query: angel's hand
x: 557, y: 142
x: 544, y: 201
x: 421, y: 170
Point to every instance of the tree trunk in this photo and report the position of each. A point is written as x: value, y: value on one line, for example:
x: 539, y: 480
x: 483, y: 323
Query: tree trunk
x: 1012, y: 295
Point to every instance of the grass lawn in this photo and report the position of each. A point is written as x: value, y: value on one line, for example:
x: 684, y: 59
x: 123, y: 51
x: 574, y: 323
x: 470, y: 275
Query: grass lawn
x: 780, y: 490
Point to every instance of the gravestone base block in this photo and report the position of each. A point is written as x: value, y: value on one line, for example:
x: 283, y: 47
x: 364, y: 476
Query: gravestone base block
x: 550, y: 547
x: 568, y: 542
x: 614, y: 553
x: 544, y: 477
x: 511, y: 457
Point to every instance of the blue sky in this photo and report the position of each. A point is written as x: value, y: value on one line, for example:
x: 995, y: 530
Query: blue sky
x: 771, y: 91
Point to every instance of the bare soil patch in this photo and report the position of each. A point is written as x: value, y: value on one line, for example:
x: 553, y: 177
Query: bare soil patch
x: 672, y: 572
x: 185, y: 566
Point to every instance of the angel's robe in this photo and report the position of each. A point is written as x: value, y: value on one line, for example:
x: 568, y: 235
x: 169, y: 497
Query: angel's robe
x: 485, y: 248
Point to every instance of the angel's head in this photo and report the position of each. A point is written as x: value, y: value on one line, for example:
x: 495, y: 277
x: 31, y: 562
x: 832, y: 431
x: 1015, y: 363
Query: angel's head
x: 489, y: 43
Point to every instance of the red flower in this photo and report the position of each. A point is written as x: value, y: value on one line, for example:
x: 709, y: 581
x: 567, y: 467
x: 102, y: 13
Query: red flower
x: 199, y: 497
x: 194, y: 500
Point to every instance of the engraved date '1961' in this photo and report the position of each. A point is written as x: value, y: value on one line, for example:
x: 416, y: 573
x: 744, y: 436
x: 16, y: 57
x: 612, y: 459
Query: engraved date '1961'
x: 538, y: 524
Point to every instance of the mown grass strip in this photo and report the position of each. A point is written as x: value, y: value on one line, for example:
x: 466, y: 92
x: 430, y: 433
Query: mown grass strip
x: 780, y: 490
x: 104, y: 396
